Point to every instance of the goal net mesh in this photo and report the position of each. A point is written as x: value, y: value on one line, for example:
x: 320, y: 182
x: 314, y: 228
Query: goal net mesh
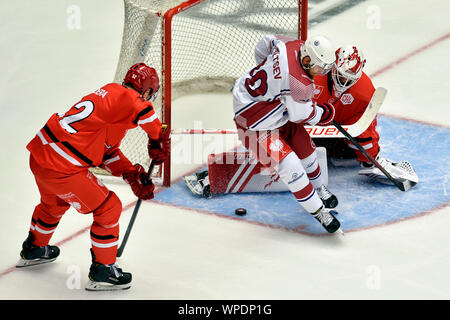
x: 212, y: 45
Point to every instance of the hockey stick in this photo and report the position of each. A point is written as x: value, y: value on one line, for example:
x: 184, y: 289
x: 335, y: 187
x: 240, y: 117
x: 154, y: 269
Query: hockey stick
x: 136, y: 209
x: 402, y: 184
x: 319, y: 132
x: 369, y: 114
x: 133, y: 218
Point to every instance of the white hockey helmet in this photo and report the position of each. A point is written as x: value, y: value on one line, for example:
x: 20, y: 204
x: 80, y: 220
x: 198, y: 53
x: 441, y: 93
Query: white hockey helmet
x: 348, y: 68
x: 321, y: 52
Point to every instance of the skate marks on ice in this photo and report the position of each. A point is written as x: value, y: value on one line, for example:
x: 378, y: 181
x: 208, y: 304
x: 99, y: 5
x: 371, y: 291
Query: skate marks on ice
x: 362, y: 203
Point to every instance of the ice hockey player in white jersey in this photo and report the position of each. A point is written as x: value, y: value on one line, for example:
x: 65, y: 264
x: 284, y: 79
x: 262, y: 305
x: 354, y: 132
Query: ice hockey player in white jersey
x: 272, y: 103
x: 227, y: 171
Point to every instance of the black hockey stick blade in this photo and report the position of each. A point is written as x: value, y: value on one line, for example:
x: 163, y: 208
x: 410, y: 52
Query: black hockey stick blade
x: 400, y: 183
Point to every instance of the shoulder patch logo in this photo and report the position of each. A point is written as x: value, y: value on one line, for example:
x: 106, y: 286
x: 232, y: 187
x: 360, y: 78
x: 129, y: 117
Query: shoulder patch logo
x: 347, y: 98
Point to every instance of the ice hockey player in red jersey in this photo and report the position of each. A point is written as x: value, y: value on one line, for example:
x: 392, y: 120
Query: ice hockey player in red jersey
x: 350, y: 90
x: 272, y: 103
x: 89, y: 135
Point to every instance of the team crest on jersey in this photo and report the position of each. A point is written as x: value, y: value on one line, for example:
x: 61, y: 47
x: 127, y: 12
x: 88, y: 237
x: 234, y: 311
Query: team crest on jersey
x: 74, y: 201
x: 101, y: 92
x: 347, y: 98
x: 276, y: 145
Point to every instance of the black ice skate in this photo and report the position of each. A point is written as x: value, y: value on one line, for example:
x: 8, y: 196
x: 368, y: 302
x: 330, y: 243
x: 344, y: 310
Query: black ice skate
x: 328, y: 199
x: 32, y: 255
x: 104, y: 277
x: 328, y: 220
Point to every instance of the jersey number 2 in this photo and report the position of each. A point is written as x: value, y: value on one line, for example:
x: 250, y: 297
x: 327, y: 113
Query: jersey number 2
x: 88, y: 107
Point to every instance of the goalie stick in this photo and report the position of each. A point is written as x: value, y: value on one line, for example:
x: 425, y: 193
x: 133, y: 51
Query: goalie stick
x: 368, y: 116
x: 402, y: 184
x: 319, y: 132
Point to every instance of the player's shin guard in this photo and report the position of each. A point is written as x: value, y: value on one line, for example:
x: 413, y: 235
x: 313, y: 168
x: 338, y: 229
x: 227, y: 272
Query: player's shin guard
x: 319, y: 177
x: 293, y: 174
x: 105, y: 230
x: 44, y: 224
x: 314, y: 170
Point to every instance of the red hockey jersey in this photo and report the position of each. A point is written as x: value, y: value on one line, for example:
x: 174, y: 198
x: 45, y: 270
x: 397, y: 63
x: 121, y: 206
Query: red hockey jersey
x: 90, y: 132
x: 350, y: 105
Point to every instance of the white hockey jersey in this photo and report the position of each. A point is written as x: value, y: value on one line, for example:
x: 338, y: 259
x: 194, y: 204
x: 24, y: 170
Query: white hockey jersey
x: 276, y: 91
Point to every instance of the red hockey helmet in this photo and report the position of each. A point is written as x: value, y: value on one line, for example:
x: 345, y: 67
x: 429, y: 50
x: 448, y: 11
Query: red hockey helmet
x: 142, y: 77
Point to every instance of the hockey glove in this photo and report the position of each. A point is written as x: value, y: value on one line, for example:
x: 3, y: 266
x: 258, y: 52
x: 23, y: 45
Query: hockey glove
x: 327, y: 115
x: 140, y: 182
x: 158, y: 150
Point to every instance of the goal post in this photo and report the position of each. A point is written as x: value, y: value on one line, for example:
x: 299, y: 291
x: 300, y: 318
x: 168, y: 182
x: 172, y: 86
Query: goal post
x: 197, y: 46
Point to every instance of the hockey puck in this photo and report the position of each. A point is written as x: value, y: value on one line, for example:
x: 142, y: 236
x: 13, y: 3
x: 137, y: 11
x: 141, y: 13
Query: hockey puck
x: 240, y: 211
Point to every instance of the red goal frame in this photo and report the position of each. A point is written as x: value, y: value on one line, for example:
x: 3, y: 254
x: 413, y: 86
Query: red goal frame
x: 166, y: 60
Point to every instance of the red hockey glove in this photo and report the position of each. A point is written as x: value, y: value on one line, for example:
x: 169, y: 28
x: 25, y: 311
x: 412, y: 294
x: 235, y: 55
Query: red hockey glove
x: 139, y: 182
x: 158, y: 150
x: 327, y: 115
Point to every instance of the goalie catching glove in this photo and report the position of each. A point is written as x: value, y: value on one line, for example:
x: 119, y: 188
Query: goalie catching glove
x: 158, y: 150
x: 140, y: 182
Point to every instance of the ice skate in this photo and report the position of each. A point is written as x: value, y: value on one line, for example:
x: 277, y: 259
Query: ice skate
x: 328, y: 220
x: 328, y: 199
x: 33, y: 255
x: 398, y: 170
x: 199, y: 184
x: 107, y: 277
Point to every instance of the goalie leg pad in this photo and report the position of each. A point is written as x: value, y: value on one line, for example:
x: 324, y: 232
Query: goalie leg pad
x: 398, y: 170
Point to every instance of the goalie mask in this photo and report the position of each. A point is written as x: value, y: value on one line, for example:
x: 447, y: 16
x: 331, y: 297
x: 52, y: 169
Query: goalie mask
x: 142, y: 77
x: 348, y: 68
x: 321, y: 52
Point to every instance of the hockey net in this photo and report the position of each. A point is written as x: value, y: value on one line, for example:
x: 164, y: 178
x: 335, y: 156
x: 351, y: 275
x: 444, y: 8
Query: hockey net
x: 197, y: 46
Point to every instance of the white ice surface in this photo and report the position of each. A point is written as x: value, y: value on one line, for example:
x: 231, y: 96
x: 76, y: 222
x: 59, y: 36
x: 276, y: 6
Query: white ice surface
x: 180, y: 254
